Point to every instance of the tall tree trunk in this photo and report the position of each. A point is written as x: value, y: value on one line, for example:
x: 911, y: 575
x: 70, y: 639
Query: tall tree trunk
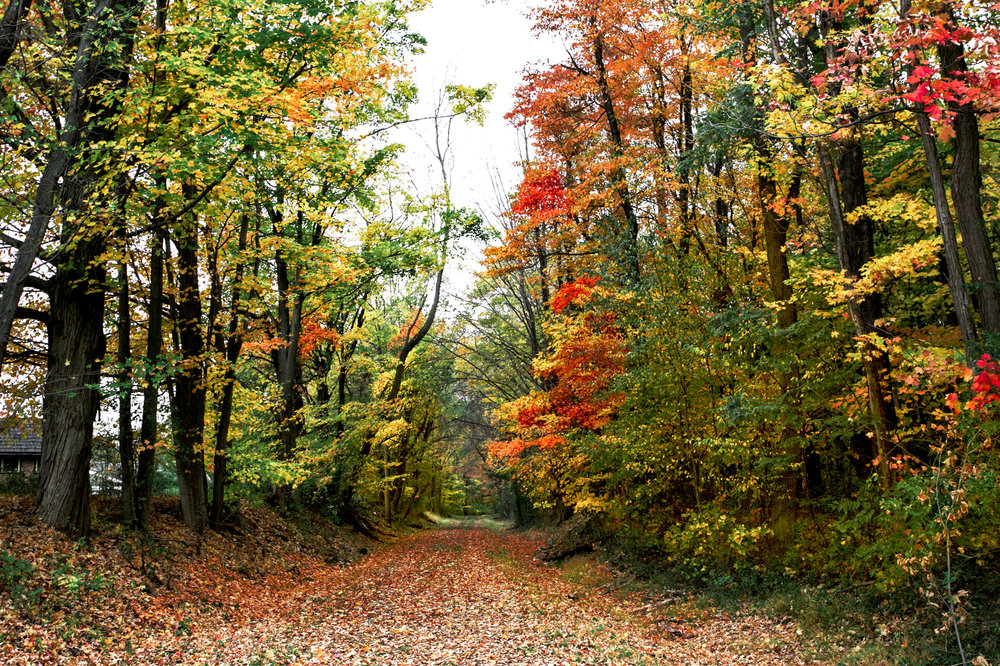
x: 285, y: 358
x: 618, y: 175
x: 126, y: 442
x: 775, y: 240
x: 967, y: 185
x: 956, y: 281
x: 854, y: 249
x: 231, y: 349
x: 145, y: 467
x: 189, y: 399
x: 76, y: 343
x: 946, y: 226
x: 685, y: 146
x: 775, y: 230
x: 146, y: 456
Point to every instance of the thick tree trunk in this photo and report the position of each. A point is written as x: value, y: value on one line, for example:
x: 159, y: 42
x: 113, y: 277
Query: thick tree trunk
x: 76, y: 343
x: 967, y: 185
x: 189, y: 399
x: 956, y: 281
x: 76, y: 346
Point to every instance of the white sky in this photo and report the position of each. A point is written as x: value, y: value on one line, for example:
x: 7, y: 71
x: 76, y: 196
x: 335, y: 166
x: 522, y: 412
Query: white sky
x: 470, y: 42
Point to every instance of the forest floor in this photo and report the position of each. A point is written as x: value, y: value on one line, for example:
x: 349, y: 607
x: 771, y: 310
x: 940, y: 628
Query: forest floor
x: 468, y: 592
x: 464, y: 594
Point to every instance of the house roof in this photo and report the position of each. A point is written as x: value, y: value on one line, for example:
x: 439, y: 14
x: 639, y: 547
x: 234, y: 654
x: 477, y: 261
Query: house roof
x: 24, y: 440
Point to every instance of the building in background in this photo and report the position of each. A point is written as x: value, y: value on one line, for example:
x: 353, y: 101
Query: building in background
x: 20, y: 449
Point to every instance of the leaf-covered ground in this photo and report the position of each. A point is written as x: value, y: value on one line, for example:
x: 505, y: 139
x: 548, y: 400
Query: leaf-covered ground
x: 457, y: 595
x: 467, y: 595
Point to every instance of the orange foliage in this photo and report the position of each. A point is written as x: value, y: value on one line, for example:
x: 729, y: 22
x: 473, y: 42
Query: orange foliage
x: 315, y: 334
x: 573, y: 292
x: 407, y: 331
x: 589, y: 353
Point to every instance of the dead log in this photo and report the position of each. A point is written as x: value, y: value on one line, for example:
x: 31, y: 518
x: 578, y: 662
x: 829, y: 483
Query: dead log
x: 580, y: 534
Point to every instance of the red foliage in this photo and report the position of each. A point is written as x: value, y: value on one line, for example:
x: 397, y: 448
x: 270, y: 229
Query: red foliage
x: 581, y: 371
x: 985, y: 386
x: 315, y: 334
x: 585, y: 366
x: 541, y: 197
x: 576, y: 291
x: 542, y: 219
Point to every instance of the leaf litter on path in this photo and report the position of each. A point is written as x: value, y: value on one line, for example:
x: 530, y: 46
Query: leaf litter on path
x: 469, y: 596
x: 461, y: 595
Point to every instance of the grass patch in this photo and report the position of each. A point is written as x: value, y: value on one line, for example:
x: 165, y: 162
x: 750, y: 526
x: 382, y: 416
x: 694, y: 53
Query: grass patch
x: 586, y: 570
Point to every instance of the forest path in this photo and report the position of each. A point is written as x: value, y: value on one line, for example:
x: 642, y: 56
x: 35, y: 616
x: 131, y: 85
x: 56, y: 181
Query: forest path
x: 468, y: 595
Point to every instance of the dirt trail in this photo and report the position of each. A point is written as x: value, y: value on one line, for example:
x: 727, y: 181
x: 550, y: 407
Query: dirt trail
x: 467, y: 595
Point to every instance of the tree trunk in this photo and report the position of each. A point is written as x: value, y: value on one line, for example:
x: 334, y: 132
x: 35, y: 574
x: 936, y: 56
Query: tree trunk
x: 146, y: 456
x: 956, y: 281
x: 685, y: 146
x: 76, y: 346
x: 76, y: 343
x: 618, y: 176
x: 232, y: 346
x: 126, y: 443
x: 189, y: 399
x: 854, y: 249
x: 10, y: 26
x: 967, y: 184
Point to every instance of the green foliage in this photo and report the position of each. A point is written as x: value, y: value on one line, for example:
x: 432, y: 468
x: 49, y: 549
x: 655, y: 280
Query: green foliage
x: 24, y: 485
x: 469, y: 101
x: 15, y: 575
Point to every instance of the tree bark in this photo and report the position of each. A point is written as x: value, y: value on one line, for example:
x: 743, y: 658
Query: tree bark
x: 189, y: 399
x: 854, y: 248
x: 76, y: 343
x: 685, y: 146
x: 10, y: 26
x: 956, y: 281
x: 126, y: 442
x: 967, y: 185
x: 146, y: 455
x: 76, y: 347
x: 231, y: 348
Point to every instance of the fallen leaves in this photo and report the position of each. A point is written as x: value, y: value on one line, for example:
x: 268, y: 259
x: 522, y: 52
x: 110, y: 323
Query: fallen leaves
x: 462, y: 595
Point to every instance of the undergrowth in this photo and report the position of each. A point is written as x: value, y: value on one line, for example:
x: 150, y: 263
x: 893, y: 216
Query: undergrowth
x: 856, y: 624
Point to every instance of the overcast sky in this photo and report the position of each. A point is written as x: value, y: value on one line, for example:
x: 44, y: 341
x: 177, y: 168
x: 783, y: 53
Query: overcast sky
x: 470, y: 42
